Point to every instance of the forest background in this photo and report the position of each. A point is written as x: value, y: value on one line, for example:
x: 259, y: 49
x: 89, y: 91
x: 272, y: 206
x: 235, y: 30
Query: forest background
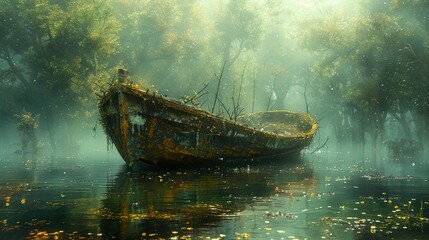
x: 360, y: 67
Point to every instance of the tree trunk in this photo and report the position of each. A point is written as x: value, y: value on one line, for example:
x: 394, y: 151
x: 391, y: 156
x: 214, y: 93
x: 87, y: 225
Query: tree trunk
x: 18, y: 74
x: 374, y: 144
x: 402, y: 119
x: 281, y: 95
x: 422, y: 131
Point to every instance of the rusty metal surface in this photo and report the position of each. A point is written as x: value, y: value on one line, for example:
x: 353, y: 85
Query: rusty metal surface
x: 150, y: 128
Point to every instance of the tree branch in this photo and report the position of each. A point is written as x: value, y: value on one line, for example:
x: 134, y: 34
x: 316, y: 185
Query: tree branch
x: 18, y: 74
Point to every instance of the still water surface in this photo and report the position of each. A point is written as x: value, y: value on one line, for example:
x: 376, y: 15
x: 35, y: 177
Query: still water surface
x: 315, y: 197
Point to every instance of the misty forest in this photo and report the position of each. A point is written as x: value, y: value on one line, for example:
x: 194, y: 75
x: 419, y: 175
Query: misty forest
x: 360, y: 67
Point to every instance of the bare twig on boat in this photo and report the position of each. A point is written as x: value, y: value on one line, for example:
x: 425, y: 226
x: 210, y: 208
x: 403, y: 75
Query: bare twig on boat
x: 236, y: 109
x: 305, y: 98
x: 237, y: 106
x: 315, y: 150
x: 219, y: 79
x: 197, y: 95
x: 254, y: 94
x: 320, y: 119
x: 226, y: 110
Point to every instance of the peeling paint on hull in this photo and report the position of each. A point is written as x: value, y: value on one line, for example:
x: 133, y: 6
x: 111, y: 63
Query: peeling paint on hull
x: 161, y: 131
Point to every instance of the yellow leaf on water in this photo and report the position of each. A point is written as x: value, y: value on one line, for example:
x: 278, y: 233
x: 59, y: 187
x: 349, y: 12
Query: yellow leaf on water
x: 246, y: 235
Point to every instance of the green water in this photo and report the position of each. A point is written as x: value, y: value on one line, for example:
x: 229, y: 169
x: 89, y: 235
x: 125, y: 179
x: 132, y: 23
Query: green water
x: 320, y: 196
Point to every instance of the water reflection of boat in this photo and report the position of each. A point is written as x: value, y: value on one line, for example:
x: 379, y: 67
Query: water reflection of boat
x: 175, y: 204
x: 160, y: 131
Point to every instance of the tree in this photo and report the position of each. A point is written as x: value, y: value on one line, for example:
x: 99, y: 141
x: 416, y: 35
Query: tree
x: 75, y: 46
x: 240, y: 28
x: 60, y: 46
x: 162, y: 42
x: 362, y: 70
x: 372, y: 66
x: 27, y: 124
x: 13, y: 39
x: 416, y: 21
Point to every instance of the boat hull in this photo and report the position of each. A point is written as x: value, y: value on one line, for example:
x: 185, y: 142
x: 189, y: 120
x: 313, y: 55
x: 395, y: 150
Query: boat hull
x: 147, y: 127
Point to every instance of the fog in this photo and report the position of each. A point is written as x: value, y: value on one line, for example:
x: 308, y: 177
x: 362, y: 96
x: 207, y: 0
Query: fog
x: 359, y: 67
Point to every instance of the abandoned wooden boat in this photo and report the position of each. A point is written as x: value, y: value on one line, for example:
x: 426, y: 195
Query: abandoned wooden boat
x: 147, y: 127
